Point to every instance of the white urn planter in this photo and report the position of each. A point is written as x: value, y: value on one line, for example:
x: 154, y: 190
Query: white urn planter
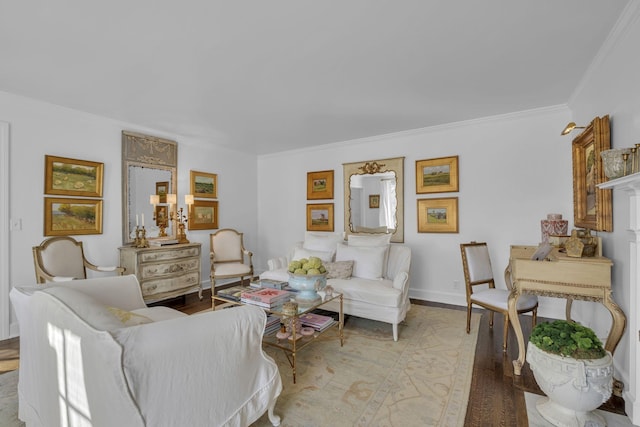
x: 574, y: 387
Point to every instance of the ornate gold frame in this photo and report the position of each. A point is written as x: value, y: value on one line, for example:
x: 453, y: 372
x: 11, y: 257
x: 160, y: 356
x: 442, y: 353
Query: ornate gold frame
x: 451, y: 186
x: 428, y: 224
x: 209, y: 204
x: 314, y: 193
x: 314, y: 224
x: 50, y: 202
x: 51, y: 185
x: 214, y: 179
x: 592, y: 207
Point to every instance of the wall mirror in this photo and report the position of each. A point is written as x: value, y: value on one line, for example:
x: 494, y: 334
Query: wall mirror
x: 374, y: 197
x: 149, y: 167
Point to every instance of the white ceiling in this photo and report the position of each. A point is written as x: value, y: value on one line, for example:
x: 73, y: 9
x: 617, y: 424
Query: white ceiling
x: 265, y: 76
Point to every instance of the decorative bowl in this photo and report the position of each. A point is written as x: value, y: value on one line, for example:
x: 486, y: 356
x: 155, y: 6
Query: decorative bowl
x: 307, y: 287
x: 614, y: 164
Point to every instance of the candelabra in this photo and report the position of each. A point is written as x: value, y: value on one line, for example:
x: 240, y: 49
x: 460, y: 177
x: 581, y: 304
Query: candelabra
x: 141, y: 238
x: 181, y: 221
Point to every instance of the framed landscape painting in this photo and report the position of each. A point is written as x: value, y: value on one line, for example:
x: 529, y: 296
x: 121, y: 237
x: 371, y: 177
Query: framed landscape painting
x: 438, y: 215
x: 68, y: 217
x: 320, y: 217
x: 374, y: 201
x: 592, y: 206
x: 320, y: 185
x: 437, y: 175
x: 204, y: 215
x: 72, y: 177
x: 204, y: 185
x: 162, y: 189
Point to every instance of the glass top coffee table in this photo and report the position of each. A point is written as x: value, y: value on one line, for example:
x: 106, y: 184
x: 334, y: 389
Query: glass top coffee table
x: 297, y: 339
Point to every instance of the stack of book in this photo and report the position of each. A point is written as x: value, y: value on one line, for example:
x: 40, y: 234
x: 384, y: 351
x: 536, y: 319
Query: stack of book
x: 234, y: 293
x: 273, y: 325
x: 318, y: 322
x: 273, y: 284
x: 266, y: 297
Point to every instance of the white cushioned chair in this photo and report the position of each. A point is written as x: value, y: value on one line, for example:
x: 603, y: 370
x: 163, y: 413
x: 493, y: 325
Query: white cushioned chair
x: 61, y: 258
x: 92, y: 353
x: 228, y: 256
x: 479, y: 274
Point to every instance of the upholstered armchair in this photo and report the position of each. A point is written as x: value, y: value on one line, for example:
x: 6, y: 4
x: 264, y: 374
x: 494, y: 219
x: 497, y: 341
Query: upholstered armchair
x: 229, y: 258
x: 61, y: 258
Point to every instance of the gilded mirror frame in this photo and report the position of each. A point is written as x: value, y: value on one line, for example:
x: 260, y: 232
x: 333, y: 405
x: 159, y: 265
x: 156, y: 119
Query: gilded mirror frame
x: 146, y: 151
x: 395, y: 165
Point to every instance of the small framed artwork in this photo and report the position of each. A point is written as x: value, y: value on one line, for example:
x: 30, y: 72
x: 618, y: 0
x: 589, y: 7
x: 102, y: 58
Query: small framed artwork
x: 203, y: 215
x: 71, y: 177
x: 162, y: 215
x: 162, y: 188
x: 374, y: 201
x: 438, y: 215
x: 204, y: 185
x: 68, y: 217
x: 320, y: 185
x: 592, y: 206
x: 437, y: 175
x: 320, y: 217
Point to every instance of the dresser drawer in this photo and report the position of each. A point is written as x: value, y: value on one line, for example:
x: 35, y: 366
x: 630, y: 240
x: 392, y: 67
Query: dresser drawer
x: 169, y: 254
x: 169, y: 284
x: 150, y: 271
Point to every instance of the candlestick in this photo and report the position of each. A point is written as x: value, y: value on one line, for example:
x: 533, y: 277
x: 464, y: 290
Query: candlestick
x: 142, y: 215
x: 137, y: 220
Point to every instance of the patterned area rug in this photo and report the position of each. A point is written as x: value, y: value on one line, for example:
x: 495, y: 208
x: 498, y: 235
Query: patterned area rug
x: 421, y: 380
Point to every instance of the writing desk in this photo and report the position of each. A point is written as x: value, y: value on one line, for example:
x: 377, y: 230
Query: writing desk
x: 561, y: 276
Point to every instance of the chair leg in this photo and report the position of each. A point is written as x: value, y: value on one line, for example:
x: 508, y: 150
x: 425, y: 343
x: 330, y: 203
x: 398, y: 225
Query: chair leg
x: 534, y: 318
x: 505, y: 334
x: 491, y: 319
x: 468, y: 318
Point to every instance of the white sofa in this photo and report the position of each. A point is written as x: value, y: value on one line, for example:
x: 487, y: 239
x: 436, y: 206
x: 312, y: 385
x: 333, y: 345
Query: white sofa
x: 385, y: 299
x: 92, y: 353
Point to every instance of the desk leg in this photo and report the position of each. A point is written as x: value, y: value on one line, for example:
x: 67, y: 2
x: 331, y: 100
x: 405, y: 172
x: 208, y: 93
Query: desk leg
x: 618, y: 325
x: 567, y: 310
x: 517, y: 328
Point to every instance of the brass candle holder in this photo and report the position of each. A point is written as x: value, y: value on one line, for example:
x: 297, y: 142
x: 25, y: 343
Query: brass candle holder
x: 141, y: 238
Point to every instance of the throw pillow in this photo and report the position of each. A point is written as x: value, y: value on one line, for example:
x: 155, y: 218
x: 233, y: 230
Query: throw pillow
x: 369, y: 240
x: 128, y: 318
x: 325, y: 242
x: 339, y: 269
x: 368, y: 261
x: 299, y: 253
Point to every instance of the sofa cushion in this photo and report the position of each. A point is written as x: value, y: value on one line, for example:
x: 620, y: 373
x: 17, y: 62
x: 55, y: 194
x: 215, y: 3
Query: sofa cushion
x: 87, y: 308
x: 376, y: 292
x: 129, y: 318
x: 339, y: 269
x: 325, y: 256
x: 372, y: 240
x: 158, y: 313
x: 279, y: 275
x: 325, y: 242
x: 368, y: 261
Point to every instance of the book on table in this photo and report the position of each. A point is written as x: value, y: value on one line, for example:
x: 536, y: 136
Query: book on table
x: 266, y: 296
x: 273, y: 284
x: 234, y: 293
x: 316, y: 321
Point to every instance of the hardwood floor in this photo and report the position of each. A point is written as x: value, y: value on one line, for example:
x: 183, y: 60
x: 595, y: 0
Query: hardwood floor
x: 496, y: 397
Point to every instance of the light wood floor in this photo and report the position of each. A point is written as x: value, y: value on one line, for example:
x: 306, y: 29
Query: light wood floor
x: 496, y: 397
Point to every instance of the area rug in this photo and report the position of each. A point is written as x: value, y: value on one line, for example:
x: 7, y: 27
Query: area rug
x: 423, y: 379
x: 536, y: 420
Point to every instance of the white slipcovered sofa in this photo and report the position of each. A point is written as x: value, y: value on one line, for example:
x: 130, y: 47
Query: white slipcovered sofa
x: 92, y: 353
x: 376, y: 286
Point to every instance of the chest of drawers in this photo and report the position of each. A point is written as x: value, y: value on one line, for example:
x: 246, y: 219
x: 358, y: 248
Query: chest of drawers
x: 164, y: 272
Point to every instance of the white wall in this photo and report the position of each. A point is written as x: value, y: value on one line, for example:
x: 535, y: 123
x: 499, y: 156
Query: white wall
x: 611, y: 87
x: 513, y: 171
x: 39, y: 128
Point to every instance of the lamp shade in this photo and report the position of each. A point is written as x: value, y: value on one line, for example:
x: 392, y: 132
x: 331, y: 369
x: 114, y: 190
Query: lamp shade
x: 171, y: 199
x: 188, y: 199
x: 154, y: 199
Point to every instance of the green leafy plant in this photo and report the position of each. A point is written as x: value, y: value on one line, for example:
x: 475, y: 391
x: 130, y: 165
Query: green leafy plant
x: 568, y: 339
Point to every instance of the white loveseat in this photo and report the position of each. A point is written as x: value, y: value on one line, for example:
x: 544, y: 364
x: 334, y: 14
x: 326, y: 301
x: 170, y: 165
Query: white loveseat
x: 92, y: 353
x: 377, y: 288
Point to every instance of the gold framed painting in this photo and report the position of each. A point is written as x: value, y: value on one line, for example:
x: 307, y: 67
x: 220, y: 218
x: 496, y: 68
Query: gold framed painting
x: 437, y: 175
x: 374, y: 201
x: 68, y: 217
x: 438, y: 215
x: 72, y: 177
x: 161, y: 215
x: 203, y: 215
x: 320, y: 217
x: 162, y: 189
x: 320, y: 185
x: 204, y: 185
x: 592, y: 206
